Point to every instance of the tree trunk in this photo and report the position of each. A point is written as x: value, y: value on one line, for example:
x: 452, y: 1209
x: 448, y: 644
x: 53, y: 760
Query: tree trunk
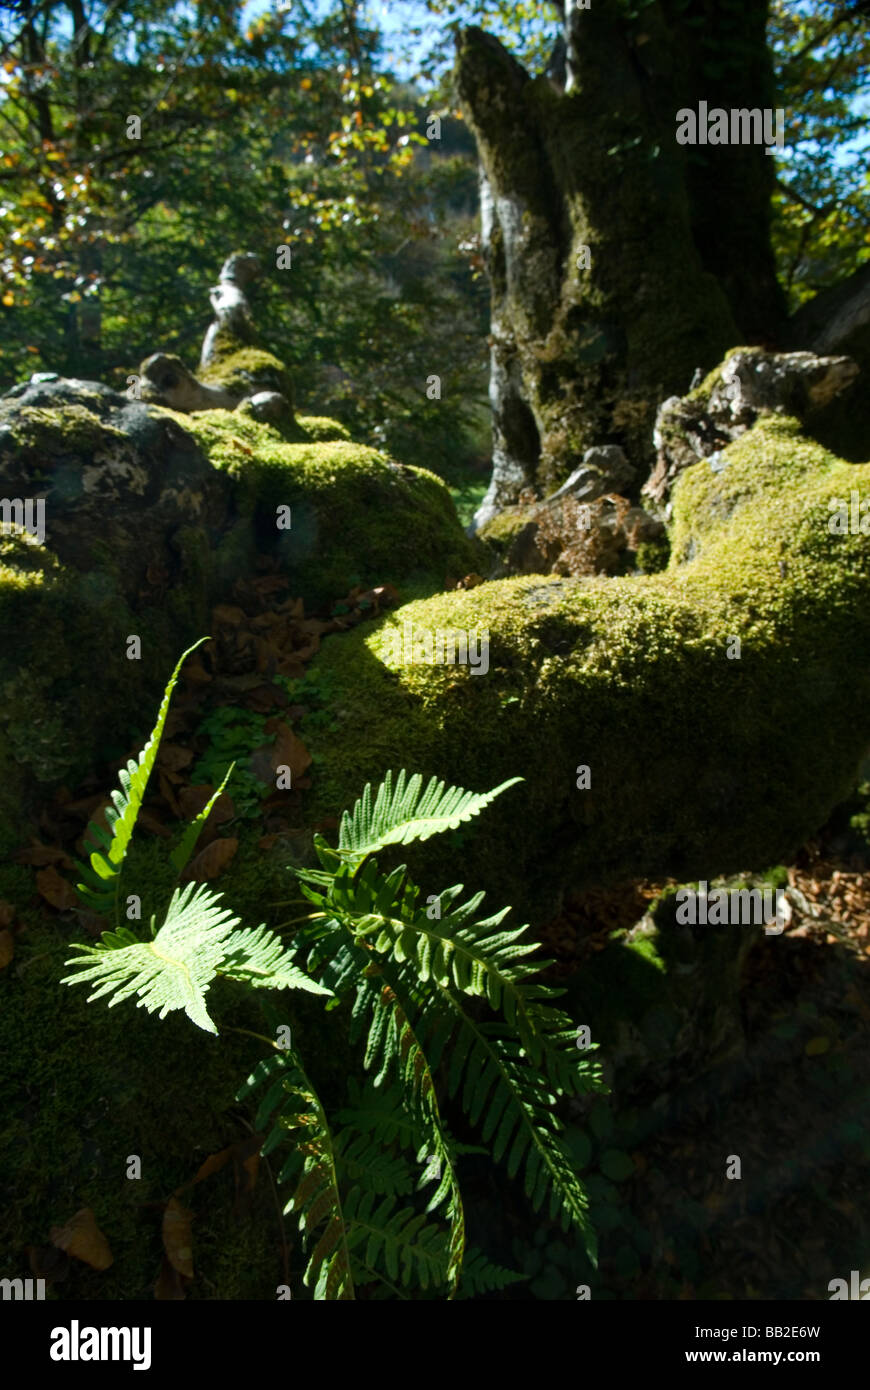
x: 619, y: 261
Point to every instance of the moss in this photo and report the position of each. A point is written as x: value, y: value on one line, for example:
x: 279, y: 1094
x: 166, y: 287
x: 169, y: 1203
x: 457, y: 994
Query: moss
x: 632, y: 677
x: 653, y: 556
x: 62, y: 429
x: 356, y: 517
x: 84, y: 1085
x: 247, y: 369
x: 56, y: 625
x: 502, y: 530
x: 320, y: 429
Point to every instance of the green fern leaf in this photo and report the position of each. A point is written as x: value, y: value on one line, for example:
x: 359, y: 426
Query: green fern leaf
x: 184, y: 849
x: 292, y: 1105
x: 404, y: 812
x: 365, y: 1164
x: 170, y: 972
x: 257, y: 957
x: 401, y: 1243
x: 102, y: 879
x: 392, y: 1043
x: 480, y: 1275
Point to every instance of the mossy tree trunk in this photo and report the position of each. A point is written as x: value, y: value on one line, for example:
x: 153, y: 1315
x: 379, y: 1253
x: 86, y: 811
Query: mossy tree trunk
x: 584, y: 345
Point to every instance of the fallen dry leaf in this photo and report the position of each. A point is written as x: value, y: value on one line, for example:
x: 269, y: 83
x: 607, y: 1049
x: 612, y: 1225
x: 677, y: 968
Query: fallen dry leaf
x: 7, y: 948
x: 174, y: 756
x: 40, y: 855
x: 7, y: 913
x: 170, y: 1285
x: 211, y: 861
x: 287, y: 750
x: 213, y: 1164
x: 57, y: 891
x: 177, y: 1240
x: 149, y: 821
x: 83, y: 1240
x: 226, y: 615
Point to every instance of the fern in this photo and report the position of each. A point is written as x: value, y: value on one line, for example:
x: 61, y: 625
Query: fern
x: 378, y: 1200
x: 172, y: 971
x: 256, y: 957
x: 292, y: 1104
x: 101, y: 887
x: 184, y: 849
x: 507, y: 1074
x: 403, y: 813
x: 481, y: 1275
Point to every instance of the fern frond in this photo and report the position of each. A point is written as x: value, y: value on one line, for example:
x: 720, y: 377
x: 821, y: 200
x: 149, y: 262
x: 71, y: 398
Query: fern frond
x: 481, y: 1275
x: 477, y: 957
x: 377, y: 1110
x: 256, y: 956
x: 171, y: 971
x: 100, y: 889
x: 400, y: 1243
x: 512, y: 1072
x: 404, y: 812
x: 185, y: 847
x: 365, y: 1164
x: 515, y: 1100
x: 392, y: 1042
x: 293, y: 1108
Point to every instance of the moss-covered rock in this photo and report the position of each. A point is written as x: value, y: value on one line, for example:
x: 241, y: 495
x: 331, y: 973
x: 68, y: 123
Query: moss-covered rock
x: 149, y: 518
x: 701, y: 760
x: 243, y: 370
x: 356, y: 516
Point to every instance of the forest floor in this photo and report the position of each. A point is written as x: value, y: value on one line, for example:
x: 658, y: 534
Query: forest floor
x: 794, y: 1108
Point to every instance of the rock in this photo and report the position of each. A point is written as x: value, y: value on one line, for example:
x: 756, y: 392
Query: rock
x: 604, y: 469
x: 150, y: 515
x: 166, y: 381
x: 230, y: 304
x: 700, y: 764
x: 749, y: 383
x: 585, y: 527
x: 270, y: 407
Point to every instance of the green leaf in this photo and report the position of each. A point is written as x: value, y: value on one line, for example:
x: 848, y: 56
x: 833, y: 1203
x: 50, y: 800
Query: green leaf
x: 256, y: 956
x: 616, y: 1165
x: 184, y: 849
x: 405, y: 813
x: 101, y: 887
x: 170, y: 972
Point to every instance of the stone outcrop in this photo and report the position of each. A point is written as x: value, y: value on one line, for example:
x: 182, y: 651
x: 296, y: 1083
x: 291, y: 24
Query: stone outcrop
x: 749, y: 383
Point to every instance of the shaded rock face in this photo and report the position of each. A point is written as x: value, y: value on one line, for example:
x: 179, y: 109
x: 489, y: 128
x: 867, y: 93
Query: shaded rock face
x: 112, y: 472
x: 127, y: 520
x: 586, y: 527
x: 166, y: 381
x: 750, y: 383
x: 567, y: 537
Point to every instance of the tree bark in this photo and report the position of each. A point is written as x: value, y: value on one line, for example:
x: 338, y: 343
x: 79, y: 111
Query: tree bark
x: 586, y: 343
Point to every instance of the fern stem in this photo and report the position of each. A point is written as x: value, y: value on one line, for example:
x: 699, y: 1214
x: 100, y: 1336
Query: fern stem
x: 270, y: 1042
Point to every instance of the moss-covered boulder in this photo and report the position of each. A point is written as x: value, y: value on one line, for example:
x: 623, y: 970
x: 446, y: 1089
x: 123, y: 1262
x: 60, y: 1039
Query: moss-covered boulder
x: 720, y: 707
x: 143, y: 519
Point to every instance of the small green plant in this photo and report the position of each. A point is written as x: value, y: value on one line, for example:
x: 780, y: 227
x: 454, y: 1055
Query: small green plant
x: 233, y: 733
x: 444, y: 1005
x: 198, y: 938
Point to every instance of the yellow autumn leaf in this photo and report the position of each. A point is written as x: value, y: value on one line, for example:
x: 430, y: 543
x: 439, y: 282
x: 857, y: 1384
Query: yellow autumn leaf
x: 816, y: 1046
